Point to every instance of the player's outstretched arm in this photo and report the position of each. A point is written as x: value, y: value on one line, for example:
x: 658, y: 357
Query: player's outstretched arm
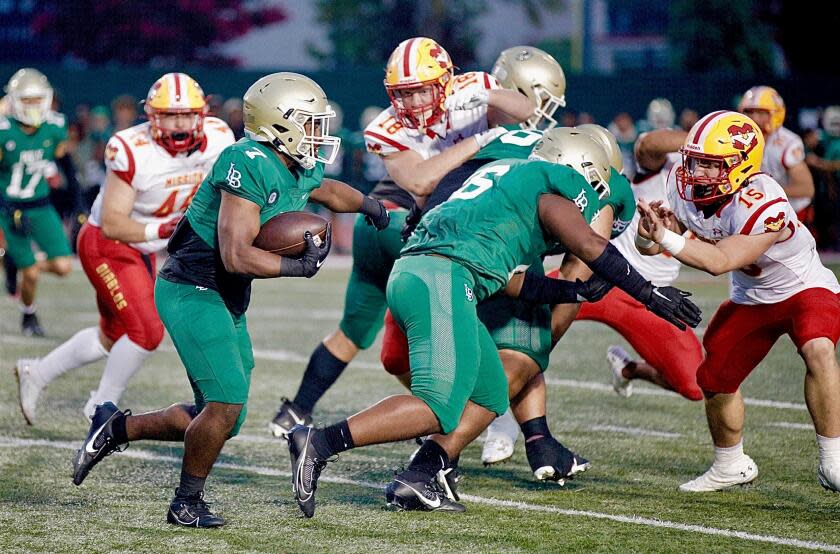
x: 342, y: 198
x: 508, y: 106
x: 652, y: 148
x: 238, y: 226
x: 420, y: 176
x: 561, y: 218
x: 731, y: 253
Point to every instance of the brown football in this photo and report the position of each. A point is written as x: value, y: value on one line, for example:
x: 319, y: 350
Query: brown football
x: 283, y: 233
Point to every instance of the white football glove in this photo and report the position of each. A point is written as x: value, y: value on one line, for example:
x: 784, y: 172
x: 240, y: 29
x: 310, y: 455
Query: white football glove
x: 486, y: 137
x: 467, y: 99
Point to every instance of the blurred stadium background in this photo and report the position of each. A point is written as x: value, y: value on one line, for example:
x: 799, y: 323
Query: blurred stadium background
x: 101, y: 56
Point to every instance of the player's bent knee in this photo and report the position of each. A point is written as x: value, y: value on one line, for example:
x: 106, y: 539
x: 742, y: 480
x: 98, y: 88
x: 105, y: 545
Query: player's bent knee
x: 447, y: 411
x: 819, y: 353
x: 61, y: 266
x: 149, y: 336
x: 239, y: 421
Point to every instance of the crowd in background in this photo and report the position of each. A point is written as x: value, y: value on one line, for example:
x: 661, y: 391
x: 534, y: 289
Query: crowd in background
x: 90, y: 127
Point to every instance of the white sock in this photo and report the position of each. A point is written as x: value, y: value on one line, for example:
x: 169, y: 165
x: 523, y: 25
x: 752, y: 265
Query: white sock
x: 81, y: 349
x: 125, y: 359
x: 28, y: 310
x: 829, y: 449
x: 729, y: 454
x: 505, y: 424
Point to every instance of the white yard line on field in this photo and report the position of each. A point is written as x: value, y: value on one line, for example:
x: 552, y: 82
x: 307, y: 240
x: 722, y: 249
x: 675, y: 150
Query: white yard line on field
x: 638, y: 431
x: 495, y: 502
x: 791, y: 425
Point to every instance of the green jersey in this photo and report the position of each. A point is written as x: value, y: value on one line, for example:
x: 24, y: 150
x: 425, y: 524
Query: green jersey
x: 622, y: 201
x: 25, y: 159
x: 490, y: 225
x: 518, y: 144
x: 250, y: 170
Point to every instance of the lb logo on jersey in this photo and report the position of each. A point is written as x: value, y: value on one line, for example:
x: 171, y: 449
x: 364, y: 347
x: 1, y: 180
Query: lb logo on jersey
x: 581, y: 201
x: 773, y: 224
x: 272, y: 198
x: 10, y: 145
x: 233, y: 177
x: 469, y: 293
x: 743, y: 137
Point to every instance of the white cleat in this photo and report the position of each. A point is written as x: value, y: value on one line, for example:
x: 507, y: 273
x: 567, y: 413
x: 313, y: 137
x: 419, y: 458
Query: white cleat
x: 618, y: 358
x: 829, y: 477
x: 501, y: 438
x: 718, y: 478
x: 29, y: 387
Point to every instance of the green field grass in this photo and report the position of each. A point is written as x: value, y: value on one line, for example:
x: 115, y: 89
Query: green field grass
x: 641, y: 449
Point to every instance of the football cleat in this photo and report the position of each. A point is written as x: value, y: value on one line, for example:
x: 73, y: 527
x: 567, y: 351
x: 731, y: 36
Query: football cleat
x: 192, y: 511
x: 829, y: 477
x: 30, y: 326
x: 414, y: 491
x: 287, y: 417
x: 551, y: 461
x: 501, y: 438
x: 718, y: 478
x: 618, y: 358
x: 306, y: 467
x: 29, y: 387
x: 448, y: 479
x: 100, y: 441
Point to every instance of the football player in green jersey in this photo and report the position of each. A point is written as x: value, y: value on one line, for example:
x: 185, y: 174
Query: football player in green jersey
x: 32, y: 138
x: 203, y: 289
x: 507, y: 215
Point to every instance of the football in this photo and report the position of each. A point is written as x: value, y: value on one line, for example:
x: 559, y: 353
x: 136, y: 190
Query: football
x: 283, y: 233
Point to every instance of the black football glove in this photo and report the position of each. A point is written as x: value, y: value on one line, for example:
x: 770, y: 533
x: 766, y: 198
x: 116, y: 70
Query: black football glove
x: 411, y: 221
x: 673, y: 305
x: 593, y: 289
x: 311, y: 260
x: 375, y: 213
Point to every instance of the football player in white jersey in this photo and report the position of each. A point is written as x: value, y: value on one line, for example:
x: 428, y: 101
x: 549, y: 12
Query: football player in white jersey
x: 424, y: 134
x: 154, y: 170
x: 784, y: 153
x: 747, y: 228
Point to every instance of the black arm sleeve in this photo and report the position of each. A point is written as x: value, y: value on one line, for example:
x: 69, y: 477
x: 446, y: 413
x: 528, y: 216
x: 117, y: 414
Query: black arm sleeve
x: 615, y: 268
x: 74, y: 189
x: 539, y: 289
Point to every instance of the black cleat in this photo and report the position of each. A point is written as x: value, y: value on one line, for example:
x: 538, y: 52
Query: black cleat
x: 306, y: 467
x: 30, y: 326
x: 551, y: 461
x: 414, y: 491
x: 100, y: 441
x: 192, y: 511
x: 448, y: 479
x: 287, y: 417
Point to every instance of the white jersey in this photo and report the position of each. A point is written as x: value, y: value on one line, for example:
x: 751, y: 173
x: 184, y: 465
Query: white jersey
x: 385, y: 135
x: 783, y: 150
x: 662, y: 269
x: 760, y: 206
x: 164, y: 183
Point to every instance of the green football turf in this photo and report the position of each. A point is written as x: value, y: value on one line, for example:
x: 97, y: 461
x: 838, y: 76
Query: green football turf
x: 641, y: 449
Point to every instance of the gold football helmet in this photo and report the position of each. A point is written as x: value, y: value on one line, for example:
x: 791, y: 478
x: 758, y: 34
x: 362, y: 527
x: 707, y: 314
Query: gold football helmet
x: 176, y: 93
x: 30, y: 96
x: 768, y: 100
x: 291, y: 112
x: 416, y: 63
x: 578, y: 150
x: 607, y: 141
x: 538, y: 76
x: 721, y: 152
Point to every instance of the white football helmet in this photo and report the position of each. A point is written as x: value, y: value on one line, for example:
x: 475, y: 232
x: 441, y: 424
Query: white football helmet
x: 30, y: 96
